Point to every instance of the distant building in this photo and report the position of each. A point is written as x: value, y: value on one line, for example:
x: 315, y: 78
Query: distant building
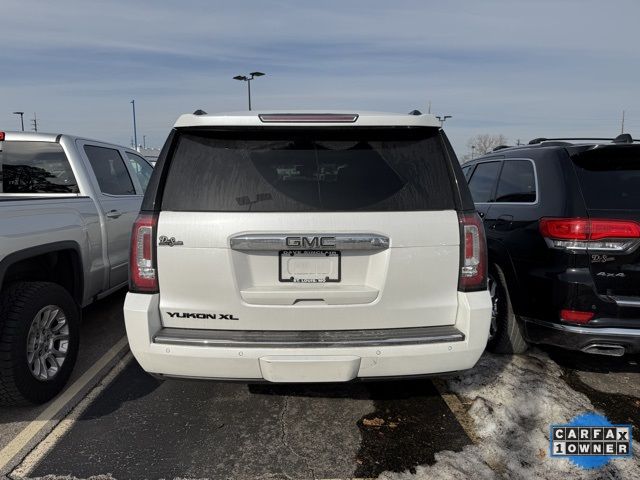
x: 151, y: 154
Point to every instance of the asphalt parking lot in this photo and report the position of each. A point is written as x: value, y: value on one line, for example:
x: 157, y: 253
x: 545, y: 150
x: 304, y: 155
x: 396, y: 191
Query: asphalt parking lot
x: 489, y: 422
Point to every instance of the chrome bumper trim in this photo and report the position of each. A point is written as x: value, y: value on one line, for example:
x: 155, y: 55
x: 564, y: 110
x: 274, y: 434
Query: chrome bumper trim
x: 626, y: 301
x: 626, y: 332
x: 308, y: 339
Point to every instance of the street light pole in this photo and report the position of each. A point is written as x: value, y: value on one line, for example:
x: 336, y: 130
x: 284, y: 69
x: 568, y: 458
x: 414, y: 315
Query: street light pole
x: 443, y: 119
x: 248, y: 78
x: 135, y: 133
x: 21, y: 119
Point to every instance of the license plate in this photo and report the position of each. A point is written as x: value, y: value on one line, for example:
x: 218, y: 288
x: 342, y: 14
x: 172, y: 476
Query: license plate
x: 309, y: 266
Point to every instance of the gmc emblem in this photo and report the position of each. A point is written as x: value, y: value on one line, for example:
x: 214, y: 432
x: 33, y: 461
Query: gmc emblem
x: 311, y: 242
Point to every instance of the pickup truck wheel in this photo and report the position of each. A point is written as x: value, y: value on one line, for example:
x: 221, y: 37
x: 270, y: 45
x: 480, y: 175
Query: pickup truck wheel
x: 39, y: 337
x: 505, y: 335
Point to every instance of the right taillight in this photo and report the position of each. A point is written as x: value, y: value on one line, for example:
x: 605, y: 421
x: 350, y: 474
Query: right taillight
x: 473, y: 261
x: 143, y: 276
x: 576, y: 234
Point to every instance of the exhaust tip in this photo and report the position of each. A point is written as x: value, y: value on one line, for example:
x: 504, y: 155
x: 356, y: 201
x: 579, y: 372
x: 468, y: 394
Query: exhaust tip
x: 600, y: 349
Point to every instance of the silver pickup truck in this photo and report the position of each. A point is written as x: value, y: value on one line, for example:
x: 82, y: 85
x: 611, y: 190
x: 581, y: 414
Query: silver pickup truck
x: 67, y: 206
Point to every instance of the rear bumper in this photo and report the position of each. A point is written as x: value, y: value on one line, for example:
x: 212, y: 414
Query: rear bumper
x: 208, y: 354
x: 574, y: 337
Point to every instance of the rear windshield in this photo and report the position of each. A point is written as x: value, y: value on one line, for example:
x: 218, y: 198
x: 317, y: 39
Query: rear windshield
x: 309, y: 170
x: 610, y: 177
x: 35, y: 167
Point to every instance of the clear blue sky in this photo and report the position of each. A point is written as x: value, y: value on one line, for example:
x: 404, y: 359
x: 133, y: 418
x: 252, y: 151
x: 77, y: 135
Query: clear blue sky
x: 540, y: 68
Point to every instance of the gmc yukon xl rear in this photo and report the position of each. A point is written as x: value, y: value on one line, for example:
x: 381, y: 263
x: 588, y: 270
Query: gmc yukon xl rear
x: 307, y: 247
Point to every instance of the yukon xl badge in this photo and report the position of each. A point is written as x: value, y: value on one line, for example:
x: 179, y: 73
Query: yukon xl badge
x: 168, y: 242
x: 211, y: 316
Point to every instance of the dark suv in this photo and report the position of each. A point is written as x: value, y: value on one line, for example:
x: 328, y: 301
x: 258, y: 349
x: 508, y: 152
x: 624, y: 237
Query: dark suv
x: 562, y: 220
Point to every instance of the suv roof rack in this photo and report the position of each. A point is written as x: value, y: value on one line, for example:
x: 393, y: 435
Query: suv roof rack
x: 622, y: 138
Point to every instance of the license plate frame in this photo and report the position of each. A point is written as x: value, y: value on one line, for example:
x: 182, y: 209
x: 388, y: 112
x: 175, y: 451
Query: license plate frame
x: 310, y: 253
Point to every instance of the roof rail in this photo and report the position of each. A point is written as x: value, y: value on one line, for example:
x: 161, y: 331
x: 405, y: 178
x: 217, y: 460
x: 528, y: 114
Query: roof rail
x: 624, y: 138
x: 500, y: 147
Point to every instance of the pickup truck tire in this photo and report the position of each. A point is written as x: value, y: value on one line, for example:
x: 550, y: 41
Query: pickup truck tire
x: 21, y: 308
x: 505, y: 335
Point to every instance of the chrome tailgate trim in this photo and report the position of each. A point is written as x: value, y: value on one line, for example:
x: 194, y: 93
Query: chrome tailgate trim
x: 306, y: 241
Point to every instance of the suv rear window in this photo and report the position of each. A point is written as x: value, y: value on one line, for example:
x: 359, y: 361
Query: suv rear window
x: 35, y: 167
x: 298, y: 170
x: 610, y: 177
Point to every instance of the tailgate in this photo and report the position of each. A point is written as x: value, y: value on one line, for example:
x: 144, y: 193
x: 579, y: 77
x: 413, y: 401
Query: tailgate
x: 609, y: 178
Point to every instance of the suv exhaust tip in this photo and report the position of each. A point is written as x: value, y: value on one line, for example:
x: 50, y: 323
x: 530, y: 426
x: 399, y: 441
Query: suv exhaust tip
x: 599, y: 349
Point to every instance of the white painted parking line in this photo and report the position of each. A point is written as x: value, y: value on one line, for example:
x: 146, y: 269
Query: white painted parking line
x: 31, y: 460
x: 21, y: 440
x: 457, y: 408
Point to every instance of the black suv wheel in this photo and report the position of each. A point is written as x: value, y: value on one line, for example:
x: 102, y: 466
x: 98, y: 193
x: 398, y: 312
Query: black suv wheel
x: 505, y: 335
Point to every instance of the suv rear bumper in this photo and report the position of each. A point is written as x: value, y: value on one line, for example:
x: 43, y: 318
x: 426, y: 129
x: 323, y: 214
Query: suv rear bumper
x: 586, y: 339
x: 306, y: 356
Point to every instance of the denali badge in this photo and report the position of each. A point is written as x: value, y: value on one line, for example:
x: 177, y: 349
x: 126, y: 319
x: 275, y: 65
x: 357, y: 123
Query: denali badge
x: 169, y: 242
x: 212, y: 316
x: 311, y: 242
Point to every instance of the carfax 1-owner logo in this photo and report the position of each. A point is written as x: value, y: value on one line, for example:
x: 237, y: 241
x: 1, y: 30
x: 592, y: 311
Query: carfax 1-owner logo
x: 590, y: 440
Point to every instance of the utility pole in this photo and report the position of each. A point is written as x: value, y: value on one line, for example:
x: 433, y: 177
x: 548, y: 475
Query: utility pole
x: 21, y: 119
x: 429, y: 110
x: 144, y: 141
x: 34, y: 123
x: 135, y: 133
x: 473, y: 151
x: 622, y: 128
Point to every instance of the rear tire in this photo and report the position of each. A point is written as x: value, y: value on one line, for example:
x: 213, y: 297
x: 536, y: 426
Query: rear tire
x: 506, y: 334
x: 38, y: 320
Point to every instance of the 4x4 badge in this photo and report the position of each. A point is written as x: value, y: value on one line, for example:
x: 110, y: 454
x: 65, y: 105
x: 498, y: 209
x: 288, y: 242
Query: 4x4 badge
x: 169, y: 242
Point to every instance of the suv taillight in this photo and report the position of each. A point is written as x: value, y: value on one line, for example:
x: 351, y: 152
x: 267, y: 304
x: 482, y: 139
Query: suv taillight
x: 473, y: 261
x: 577, y: 234
x: 142, y: 264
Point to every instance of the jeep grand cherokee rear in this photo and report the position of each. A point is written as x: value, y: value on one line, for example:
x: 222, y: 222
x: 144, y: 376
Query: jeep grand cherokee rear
x: 307, y: 248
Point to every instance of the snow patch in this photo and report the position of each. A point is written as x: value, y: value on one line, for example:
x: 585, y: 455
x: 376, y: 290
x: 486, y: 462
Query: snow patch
x: 513, y: 401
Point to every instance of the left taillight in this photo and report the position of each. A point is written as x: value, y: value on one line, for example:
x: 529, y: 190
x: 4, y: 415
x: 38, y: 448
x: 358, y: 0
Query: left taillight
x: 143, y: 276
x: 473, y: 259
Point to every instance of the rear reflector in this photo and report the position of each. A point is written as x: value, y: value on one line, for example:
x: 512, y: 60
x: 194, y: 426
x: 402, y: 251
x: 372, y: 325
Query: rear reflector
x: 576, y: 316
x: 308, y: 118
x: 142, y: 264
x: 594, y: 233
x: 473, y: 261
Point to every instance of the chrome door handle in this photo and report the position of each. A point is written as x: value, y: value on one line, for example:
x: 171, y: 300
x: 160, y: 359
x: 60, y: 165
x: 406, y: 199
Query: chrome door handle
x: 114, y: 213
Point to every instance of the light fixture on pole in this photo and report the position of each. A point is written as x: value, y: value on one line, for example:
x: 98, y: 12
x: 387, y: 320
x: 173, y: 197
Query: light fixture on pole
x: 135, y: 133
x: 443, y: 119
x: 248, y: 79
x: 21, y: 119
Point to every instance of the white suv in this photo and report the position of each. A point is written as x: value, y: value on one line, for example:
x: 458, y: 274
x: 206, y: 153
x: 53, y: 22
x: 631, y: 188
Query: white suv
x: 307, y: 247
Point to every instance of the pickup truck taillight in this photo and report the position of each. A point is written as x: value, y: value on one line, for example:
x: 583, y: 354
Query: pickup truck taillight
x: 142, y: 264
x: 473, y: 261
x: 576, y: 234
